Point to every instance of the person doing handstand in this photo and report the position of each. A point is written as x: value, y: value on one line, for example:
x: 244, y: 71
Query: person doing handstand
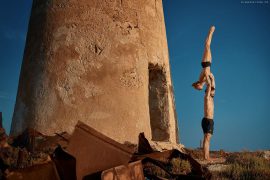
x: 206, y: 64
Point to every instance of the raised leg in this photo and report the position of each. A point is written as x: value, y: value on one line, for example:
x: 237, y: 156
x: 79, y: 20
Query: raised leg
x: 207, y: 56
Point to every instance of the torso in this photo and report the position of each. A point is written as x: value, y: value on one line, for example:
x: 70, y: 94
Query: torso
x: 209, y: 107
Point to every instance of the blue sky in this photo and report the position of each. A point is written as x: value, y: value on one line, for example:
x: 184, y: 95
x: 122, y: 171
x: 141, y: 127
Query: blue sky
x: 14, y: 17
x: 241, y: 65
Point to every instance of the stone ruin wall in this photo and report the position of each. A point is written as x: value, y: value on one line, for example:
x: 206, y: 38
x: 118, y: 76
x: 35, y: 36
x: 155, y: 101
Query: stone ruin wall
x: 94, y: 61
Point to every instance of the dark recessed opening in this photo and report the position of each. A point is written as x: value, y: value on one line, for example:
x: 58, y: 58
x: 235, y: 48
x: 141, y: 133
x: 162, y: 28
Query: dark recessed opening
x: 158, y: 103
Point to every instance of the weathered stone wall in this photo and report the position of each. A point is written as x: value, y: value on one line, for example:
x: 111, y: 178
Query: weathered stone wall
x: 88, y: 60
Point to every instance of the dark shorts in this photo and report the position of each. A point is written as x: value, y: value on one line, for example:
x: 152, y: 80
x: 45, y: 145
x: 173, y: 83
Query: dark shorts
x: 208, y: 125
x: 206, y: 64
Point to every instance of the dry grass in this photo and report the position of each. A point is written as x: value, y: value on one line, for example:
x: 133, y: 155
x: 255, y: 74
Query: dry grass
x: 179, y: 166
x: 241, y: 165
x: 247, y: 165
x: 150, y: 169
x: 176, y: 166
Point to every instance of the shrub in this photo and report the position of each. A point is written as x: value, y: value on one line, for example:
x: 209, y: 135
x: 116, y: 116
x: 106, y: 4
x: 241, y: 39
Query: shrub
x: 179, y: 166
x: 247, y: 166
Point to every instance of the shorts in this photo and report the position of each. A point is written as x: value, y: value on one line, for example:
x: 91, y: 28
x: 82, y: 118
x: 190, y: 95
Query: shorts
x: 208, y: 125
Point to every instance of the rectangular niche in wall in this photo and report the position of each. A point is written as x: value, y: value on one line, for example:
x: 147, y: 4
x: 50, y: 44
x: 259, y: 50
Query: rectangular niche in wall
x: 158, y: 103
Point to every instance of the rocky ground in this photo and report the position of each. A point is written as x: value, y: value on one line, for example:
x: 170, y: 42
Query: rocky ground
x: 88, y: 154
x: 33, y: 154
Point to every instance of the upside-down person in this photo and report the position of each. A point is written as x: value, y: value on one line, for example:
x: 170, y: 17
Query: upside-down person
x: 206, y: 64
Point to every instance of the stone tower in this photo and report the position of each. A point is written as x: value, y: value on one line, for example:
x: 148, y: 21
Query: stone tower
x: 103, y: 62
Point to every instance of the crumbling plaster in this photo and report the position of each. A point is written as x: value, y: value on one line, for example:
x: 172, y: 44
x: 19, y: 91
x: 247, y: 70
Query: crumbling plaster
x: 88, y: 60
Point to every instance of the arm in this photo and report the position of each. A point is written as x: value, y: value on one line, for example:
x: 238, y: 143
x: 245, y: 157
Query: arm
x: 212, y: 79
x: 208, y: 88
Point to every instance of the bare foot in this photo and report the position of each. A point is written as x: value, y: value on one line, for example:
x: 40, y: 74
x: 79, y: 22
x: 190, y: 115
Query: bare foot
x: 212, y: 29
x: 211, y: 160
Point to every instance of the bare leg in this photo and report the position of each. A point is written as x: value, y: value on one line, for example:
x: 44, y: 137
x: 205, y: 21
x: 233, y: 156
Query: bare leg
x: 206, y: 145
x: 207, y: 56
